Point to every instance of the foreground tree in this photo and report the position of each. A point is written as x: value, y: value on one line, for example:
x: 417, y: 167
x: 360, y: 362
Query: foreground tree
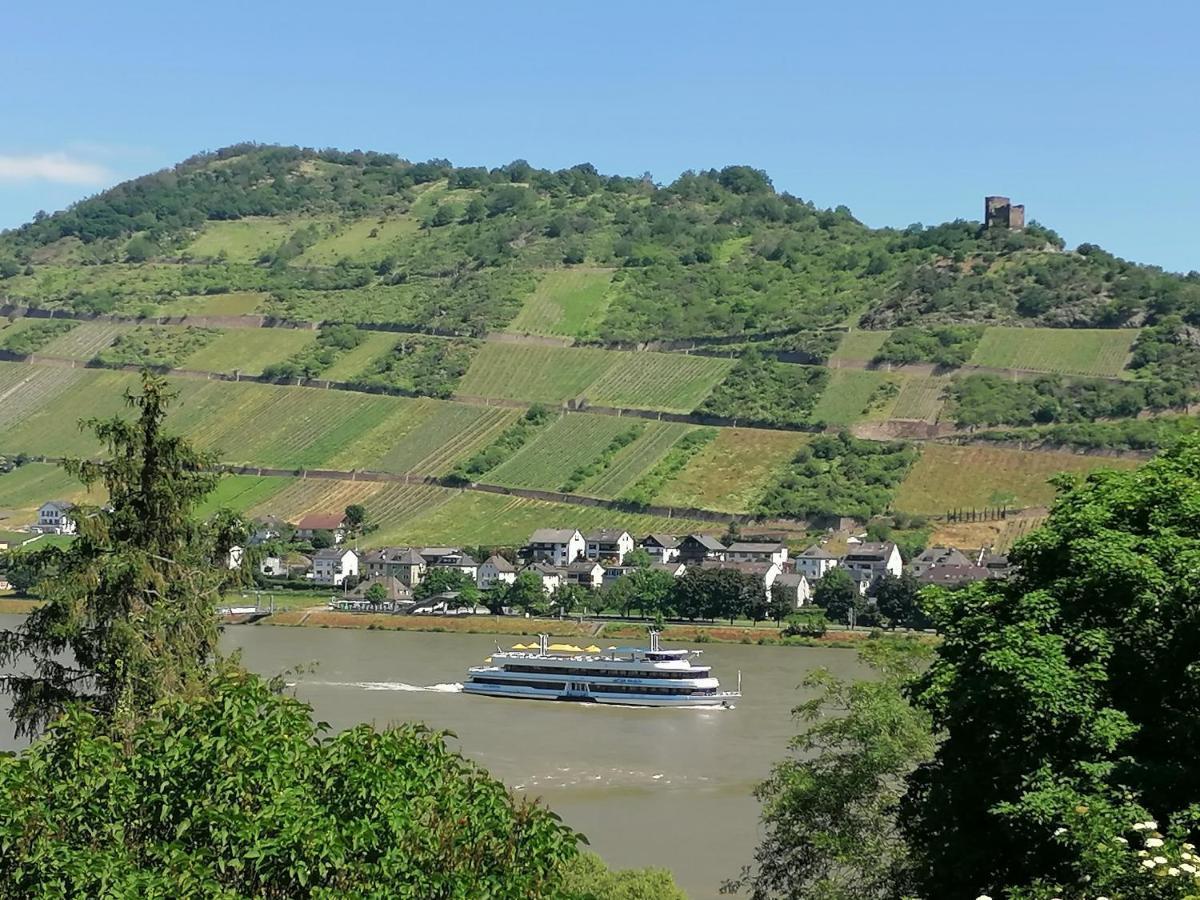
x: 1069, y: 698
x: 236, y: 793
x: 837, y: 594
x: 130, y: 605
x: 830, y: 812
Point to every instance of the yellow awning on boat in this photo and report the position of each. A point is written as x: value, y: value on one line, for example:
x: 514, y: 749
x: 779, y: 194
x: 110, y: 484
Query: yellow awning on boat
x: 562, y: 648
x: 519, y: 647
x: 592, y: 649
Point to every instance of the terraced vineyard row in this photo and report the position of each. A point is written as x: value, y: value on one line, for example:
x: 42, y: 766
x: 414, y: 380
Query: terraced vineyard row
x: 1071, y: 351
x: 25, y: 389
x: 26, y: 488
x: 85, y: 340
x: 920, y: 398
x: 635, y: 460
x: 249, y: 350
x: 570, y: 442
x: 451, y: 433
x: 666, y: 381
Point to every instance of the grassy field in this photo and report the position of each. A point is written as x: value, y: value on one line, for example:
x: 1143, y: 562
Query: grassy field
x: 356, y: 361
x: 248, y: 350
x: 85, y: 340
x: 731, y: 472
x: 240, y: 493
x: 845, y: 401
x: 26, y: 488
x: 243, y: 240
x: 950, y: 477
x: 859, y: 346
x: 568, y: 302
x: 536, y: 374
x: 354, y: 240
x: 920, y: 398
x: 239, y: 303
x: 999, y: 534
x: 571, y: 442
x: 12, y: 327
x: 25, y: 389
x: 1071, y: 351
x: 475, y: 518
x: 668, y: 381
x: 634, y: 460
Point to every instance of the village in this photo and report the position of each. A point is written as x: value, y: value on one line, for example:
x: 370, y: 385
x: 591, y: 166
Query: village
x: 320, y: 550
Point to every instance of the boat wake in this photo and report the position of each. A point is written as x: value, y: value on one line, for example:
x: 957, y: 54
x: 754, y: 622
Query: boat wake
x: 450, y: 688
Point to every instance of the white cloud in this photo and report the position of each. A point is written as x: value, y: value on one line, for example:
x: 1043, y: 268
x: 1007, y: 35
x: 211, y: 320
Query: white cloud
x: 56, y: 167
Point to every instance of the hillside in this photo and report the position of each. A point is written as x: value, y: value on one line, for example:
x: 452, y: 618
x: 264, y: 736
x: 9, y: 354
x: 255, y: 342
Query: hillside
x: 733, y: 324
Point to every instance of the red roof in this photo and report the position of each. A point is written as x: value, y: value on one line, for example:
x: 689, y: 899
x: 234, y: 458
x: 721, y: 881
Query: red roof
x: 321, y: 522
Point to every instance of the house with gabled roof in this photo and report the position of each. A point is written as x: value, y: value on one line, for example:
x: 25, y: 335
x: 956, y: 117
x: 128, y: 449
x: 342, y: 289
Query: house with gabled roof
x: 758, y: 551
x: 874, y: 558
x: 450, y: 558
x: 795, y: 586
x: 953, y: 575
x: 765, y: 572
x: 334, y: 565
x: 552, y: 578
x: 608, y: 544
x: 404, y: 563
x: 815, y: 562
x: 334, y: 523
x: 54, y: 517
x: 558, y: 546
x: 495, y: 570
x: 696, y: 548
x: 585, y: 572
x: 662, y: 547
x: 937, y: 556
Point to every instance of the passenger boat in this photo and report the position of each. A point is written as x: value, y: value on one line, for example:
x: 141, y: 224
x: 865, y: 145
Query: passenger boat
x: 631, y: 676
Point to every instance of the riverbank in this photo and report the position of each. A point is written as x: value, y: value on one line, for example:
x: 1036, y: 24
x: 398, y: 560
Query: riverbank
x: 318, y: 617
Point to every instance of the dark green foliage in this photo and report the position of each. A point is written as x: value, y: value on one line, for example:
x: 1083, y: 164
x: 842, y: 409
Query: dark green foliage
x: 140, y: 248
x: 332, y: 342
x: 586, y: 878
x: 992, y: 400
x: 649, y: 591
x: 129, y: 616
x: 36, y: 336
x: 1132, y: 434
x: 155, y: 347
x: 512, y: 439
x: 442, y: 581
x: 948, y: 345
x: 838, y: 476
x: 760, y: 390
x: 235, y: 792
x: 831, y: 809
x: 837, y: 594
x: 898, y: 600
x: 428, y: 366
x: 646, y: 488
x: 604, y: 460
x: 1066, y: 696
x: 715, y: 593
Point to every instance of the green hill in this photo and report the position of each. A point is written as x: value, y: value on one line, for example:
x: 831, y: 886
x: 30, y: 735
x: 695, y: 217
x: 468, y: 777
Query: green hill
x: 506, y: 287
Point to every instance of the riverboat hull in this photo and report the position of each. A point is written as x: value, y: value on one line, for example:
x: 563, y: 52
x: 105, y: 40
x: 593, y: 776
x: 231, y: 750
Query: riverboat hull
x: 522, y: 692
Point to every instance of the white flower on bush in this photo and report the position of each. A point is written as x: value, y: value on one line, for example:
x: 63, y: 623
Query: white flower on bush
x: 1154, y: 842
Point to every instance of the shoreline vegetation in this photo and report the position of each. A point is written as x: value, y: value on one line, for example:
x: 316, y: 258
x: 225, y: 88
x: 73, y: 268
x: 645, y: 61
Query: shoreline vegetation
x: 699, y: 633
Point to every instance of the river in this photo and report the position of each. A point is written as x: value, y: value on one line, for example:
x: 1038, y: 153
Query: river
x: 649, y: 787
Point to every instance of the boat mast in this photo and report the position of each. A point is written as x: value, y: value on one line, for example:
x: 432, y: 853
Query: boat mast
x: 544, y: 644
x: 653, y: 640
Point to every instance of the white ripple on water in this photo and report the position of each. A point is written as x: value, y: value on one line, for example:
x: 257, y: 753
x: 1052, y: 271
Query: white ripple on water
x: 448, y: 688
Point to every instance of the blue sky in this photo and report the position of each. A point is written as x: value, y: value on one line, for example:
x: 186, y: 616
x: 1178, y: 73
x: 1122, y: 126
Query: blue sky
x: 1086, y: 112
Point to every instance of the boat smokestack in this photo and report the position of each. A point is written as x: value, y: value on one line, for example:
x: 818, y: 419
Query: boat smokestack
x: 654, y: 639
x: 544, y: 643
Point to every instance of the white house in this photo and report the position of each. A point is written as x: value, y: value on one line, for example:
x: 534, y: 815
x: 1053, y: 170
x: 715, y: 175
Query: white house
x: 663, y: 547
x: 874, y: 559
x: 748, y: 551
x: 814, y: 562
x: 608, y: 544
x: 767, y: 572
x: 551, y: 577
x: 404, y: 563
x: 450, y: 558
x: 495, y: 570
x: 334, y: 565
x: 293, y: 565
x: 796, y: 588
x: 54, y: 517
x: 558, y: 546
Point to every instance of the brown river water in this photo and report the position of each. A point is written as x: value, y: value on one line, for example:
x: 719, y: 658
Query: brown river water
x: 649, y: 787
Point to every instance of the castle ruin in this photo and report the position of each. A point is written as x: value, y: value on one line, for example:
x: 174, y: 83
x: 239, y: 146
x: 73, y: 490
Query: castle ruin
x: 999, y: 212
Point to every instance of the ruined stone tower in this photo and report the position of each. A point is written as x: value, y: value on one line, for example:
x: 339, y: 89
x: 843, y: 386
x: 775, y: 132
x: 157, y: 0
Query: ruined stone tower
x: 999, y: 212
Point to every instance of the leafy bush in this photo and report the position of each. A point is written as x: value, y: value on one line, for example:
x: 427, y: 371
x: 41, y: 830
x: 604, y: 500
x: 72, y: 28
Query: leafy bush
x: 838, y: 476
x: 155, y: 346
x: 993, y: 400
x: 1131, y: 434
x: 602, y: 462
x: 36, y: 336
x: 760, y: 390
x: 333, y: 341
x: 238, y: 793
x: 947, y: 345
x: 421, y: 365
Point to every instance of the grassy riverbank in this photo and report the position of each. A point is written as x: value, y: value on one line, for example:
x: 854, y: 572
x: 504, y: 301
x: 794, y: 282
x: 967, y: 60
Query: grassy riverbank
x: 572, y: 628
